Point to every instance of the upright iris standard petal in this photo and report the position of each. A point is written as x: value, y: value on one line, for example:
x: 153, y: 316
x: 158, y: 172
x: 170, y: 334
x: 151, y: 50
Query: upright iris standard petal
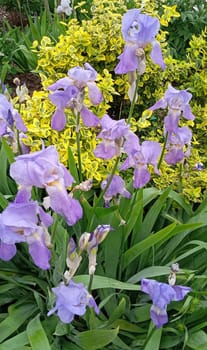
x: 81, y: 76
x: 162, y: 294
x: 37, y: 168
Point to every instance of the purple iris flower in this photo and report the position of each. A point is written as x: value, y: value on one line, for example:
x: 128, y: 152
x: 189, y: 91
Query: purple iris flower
x: 113, y: 133
x: 72, y: 300
x: 9, y: 117
x: 177, y: 102
x: 42, y: 169
x: 139, y: 157
x: 176, y: 143
x: 138, y: 31
x: 24, y: 221
x: 62, y: 99
x: 69, y: 92
x: 117, y: 186
x: 162, y: 294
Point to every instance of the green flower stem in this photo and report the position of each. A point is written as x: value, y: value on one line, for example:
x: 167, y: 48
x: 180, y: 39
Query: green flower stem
x: 77, y: 131
x: 18, y: 143
x: 180, y: 182
x: 163, y: 151
x: 131, y: 110
x: 103, y: 193
x: 90, y: 283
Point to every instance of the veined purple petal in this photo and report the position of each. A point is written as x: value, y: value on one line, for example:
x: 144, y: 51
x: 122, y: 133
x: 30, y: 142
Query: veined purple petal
x: 45, y: 218
x: 158, y: 316
x: 61, y: 98
x: 19, y: 122
x: 171, y: 121
x: 149, y: 27
x: 58, y: 121
x: 129, y: 162
x: 7, y: 251
x: 128, y: 60
x: 131, y: 143
x: 37, y: 168
x: 82, y: 76
x: 92, y: 303
x: 117, y: 186
x: 162, y: 294
x: 63, y: 204
x: 156, y: 55
x: 94, y: 93
x: 62, y: 83
x: 162, y: 103
x: 23, y: 195
x: 174, y: 155
x: 3, y: 127
x: 106, y: 150
x: 68, y: 179
x: 141, y: 176
x: 128, y: 18
x: 88, y: 117
x: 187, y: 112
x: 151, y: 151
x: 180, y: 292
x: 113, y: 129
x: 40, y: 254
x: 64, y: 315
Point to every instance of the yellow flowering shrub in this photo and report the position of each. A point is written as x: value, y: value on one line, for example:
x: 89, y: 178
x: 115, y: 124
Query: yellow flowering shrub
x: 98, y: 41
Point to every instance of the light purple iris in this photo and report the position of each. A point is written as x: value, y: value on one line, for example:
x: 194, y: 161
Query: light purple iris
x: 176, y: 143
x: 117, y: 186
x: 177, y: 102
x: 24, y: 221
x: 113, y: 133
x: 9, y: 117
x: 69, y: 92
x: 139, y: 157
x: 162, y: 294
x: 72, y: 300
x: 138, y: 31
x: 42, y: 169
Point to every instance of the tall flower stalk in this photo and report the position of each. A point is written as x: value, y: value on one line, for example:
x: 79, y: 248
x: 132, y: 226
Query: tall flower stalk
x: 77, y: 132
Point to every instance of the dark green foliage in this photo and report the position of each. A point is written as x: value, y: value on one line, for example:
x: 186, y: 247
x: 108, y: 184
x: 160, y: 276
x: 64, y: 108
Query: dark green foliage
x: 192, y: 20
